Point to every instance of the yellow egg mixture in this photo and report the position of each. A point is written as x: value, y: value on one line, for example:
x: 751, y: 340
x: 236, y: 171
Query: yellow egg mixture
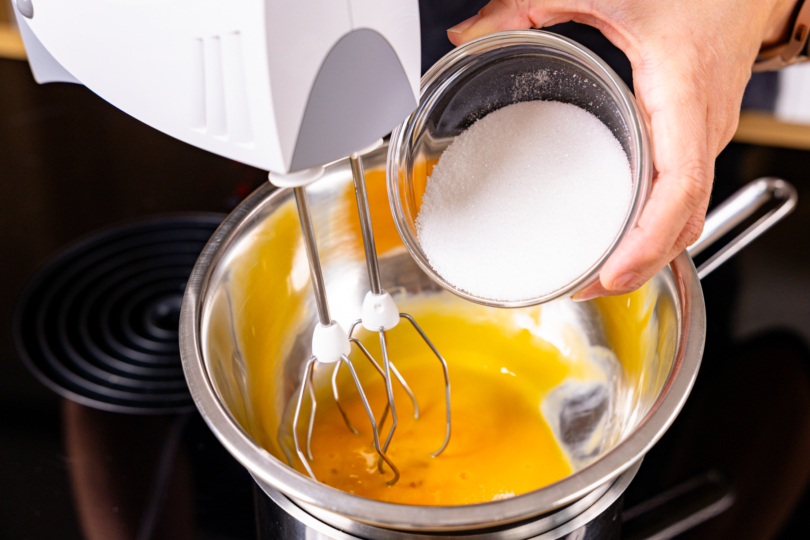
x: 500, y: 372
x: 500, y: 444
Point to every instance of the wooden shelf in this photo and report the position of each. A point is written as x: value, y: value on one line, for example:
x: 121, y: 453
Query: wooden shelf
x: 755, y: 127
x: 765, y: 130
x: 11, y: 45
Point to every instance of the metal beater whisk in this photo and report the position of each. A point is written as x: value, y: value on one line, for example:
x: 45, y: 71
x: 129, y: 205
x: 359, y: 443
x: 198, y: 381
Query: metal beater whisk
x: 330, y: 342
x: 380, y: 314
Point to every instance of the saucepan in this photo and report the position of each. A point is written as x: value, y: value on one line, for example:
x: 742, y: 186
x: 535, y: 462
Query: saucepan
x: 243, y: 349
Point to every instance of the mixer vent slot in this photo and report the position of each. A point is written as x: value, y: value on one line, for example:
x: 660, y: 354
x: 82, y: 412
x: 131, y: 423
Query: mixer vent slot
x: 221, y: 105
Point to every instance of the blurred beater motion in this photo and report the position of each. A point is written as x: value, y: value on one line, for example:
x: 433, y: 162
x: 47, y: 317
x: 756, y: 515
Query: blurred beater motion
x: 284, y: 86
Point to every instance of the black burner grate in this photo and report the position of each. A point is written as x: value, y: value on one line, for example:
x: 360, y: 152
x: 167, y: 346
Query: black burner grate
x: 99, y: 323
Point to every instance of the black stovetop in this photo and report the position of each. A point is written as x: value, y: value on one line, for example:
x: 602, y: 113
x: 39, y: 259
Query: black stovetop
x: 71, y: 165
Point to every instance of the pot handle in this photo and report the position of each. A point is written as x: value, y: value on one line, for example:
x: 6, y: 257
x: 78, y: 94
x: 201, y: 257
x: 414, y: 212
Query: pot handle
x: 678, y: 509
x: 736, y: 209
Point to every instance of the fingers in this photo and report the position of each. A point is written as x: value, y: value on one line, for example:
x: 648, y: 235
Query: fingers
x: 671, y: 221
x: 513, y: 15
x: 594, y: 291
x: 632, y: 280
x: 495, y: 16
x: 673, y: 215
x: 677, y: 81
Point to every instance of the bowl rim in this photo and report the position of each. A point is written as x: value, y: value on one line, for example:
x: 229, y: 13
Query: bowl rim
x: 435, y: 81
x: 689, y: 350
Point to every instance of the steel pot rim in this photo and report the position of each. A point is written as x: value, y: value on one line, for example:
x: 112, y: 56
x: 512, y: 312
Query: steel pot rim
x: 554, y: 525
x: 688, y: 354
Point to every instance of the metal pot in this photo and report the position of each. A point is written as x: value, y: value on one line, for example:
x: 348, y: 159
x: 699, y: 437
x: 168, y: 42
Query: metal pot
x: 220, y: 360
x: 596, y: 516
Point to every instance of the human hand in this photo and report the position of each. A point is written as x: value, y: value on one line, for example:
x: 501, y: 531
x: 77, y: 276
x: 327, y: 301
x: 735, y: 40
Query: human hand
x: 691, y: 62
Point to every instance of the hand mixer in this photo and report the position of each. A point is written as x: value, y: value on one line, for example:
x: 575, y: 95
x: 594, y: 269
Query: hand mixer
x: 284, y: 86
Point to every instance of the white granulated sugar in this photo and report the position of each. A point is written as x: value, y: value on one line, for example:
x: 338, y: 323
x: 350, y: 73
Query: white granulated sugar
x: 529, y: 84
x: 524, y: 201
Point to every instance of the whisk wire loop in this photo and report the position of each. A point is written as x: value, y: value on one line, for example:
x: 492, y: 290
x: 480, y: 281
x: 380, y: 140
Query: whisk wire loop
x: 307, y: 373
x: 388, y: 388
x: 308, y: 384
x: 446, y: 380
x: 394, y: 370
x: 311, y: 386
x: 336, y: 394
x: 370, y: 414
x: 335, y: 388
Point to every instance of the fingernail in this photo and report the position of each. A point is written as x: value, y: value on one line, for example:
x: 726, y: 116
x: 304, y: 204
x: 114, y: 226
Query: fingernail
x: 630, y: 280
x: 463, y: 26
x: 584, y: 296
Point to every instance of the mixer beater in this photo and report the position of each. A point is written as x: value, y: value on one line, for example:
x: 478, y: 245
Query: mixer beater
x: 380, y: 314
x: 330, y: 342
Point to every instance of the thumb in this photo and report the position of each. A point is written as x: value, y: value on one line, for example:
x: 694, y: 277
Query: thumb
x: 495, y: 16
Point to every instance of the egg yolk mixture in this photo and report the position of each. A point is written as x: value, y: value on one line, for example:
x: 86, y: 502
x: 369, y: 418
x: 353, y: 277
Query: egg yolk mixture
x: 500, y: 372
x: 500, y: 444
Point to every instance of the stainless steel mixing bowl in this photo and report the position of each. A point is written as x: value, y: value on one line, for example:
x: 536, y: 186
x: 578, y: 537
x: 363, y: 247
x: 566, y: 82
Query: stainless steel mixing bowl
x: 235, y: 365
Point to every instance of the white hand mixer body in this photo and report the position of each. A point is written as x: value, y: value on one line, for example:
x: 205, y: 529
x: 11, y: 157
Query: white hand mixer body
x: 279, y: 85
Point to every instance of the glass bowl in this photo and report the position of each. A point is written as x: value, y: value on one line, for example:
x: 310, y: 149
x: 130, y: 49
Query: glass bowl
x: 485, y: 75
